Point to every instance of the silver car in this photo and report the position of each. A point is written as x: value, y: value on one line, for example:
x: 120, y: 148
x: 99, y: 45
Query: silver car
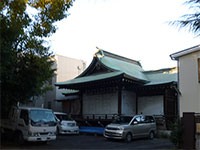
x: 65, y: 124
x: 128, y: 128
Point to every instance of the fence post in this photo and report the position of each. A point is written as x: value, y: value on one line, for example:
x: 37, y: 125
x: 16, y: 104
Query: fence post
x: 189, y: 130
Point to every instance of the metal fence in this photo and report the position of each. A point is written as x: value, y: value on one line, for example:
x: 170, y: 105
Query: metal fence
x: 163, y: 122
x: 94, y: 116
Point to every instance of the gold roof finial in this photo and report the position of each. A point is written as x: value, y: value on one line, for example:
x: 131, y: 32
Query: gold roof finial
x: 99, y: 53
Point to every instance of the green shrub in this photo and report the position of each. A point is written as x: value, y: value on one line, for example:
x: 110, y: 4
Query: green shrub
x: 176, y: 135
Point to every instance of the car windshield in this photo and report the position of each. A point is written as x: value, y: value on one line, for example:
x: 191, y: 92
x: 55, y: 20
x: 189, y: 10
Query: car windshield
x: 122, y: 119
x: 42, y: 118
x: 63, y: 117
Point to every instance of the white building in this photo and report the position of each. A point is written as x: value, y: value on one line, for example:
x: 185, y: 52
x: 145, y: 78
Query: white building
x: 188, y: 79
x: 66, y: 69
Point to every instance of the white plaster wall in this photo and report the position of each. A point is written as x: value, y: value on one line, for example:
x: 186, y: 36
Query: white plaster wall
x: 151, y: 105
x: 100, y: 103
x: 67, y: 69
x: 128, y: 103
x: 188, y: 83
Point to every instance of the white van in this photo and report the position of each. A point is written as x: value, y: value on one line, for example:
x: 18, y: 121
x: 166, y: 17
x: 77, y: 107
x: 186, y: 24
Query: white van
x: 128, y: 128
x: 65, y: 124
x: 30, y: 124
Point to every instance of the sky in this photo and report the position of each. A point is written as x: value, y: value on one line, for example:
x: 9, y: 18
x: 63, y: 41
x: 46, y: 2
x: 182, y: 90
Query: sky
x: 136, y: 29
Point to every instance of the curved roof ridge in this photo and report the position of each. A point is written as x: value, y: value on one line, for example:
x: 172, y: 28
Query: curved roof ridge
x: 101, y: 53
x: 128, y: 68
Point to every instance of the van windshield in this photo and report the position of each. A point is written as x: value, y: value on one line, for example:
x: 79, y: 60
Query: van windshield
x: 122, y: 119
x: 42, y: 118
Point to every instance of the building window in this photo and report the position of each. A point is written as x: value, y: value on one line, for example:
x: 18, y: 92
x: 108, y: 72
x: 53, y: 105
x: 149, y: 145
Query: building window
x: 199, y: 69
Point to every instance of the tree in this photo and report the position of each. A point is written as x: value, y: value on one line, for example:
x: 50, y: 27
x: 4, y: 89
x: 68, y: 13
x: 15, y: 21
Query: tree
x: 190, y: 21
x: 26, y: 61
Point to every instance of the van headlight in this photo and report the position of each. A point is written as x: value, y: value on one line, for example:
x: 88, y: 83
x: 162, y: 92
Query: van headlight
x: 33, y: 133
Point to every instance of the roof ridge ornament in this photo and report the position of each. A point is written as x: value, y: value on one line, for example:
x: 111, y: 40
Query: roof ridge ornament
x: 99, y: 53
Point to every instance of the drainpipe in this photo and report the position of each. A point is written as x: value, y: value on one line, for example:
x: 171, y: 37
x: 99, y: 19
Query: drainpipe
x: 178, y: 99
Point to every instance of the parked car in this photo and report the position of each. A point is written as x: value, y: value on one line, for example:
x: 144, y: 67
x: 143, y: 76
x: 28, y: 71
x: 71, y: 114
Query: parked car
x: 128, y: 128
x: 66, y: 125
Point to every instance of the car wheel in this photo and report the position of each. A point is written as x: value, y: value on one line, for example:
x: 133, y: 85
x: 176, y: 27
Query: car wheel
x: 128, y: 137
x: 151, y: 135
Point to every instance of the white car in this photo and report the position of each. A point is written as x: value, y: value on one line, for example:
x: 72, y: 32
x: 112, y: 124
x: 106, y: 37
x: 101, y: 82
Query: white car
x: 65, y: 124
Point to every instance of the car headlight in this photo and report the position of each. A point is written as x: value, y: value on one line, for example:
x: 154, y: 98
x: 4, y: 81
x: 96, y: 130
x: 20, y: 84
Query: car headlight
x: 121, y: 128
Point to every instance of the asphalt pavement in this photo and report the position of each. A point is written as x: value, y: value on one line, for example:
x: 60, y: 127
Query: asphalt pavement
x: 91, y: 142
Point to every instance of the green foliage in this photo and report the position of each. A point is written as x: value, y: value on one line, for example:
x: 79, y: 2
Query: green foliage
x: 190, y: 21
x: 177, y: 133
x: 26, y: 62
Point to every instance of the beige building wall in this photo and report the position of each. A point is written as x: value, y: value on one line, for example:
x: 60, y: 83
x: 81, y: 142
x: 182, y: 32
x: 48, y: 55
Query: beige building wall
x: 189, y: 84
x: 67, y: 69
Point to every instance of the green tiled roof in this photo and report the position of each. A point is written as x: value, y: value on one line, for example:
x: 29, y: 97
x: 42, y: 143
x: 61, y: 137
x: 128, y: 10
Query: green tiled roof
x: 158, y: 77
x: 91, y: 78
x: 116, y: 66
x: 130, y: 69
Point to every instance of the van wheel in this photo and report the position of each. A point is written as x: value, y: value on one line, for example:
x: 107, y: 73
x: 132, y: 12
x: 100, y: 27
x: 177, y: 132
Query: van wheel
x: 151, y: 135
x: 19, y: 139
x: 128, y: 137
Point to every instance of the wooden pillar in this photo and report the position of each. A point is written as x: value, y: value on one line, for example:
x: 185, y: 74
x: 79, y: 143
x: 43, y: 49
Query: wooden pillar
x: 170, y: 105
x: 119, y: 101
x: 81, y: 103
x: 136, y: 107
x: 189, y: 130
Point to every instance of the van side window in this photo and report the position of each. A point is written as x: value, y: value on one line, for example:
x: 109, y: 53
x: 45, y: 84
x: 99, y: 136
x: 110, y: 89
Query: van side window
x: 24, y: 116
x: 143, y: 119
x: 149, y: 119
x: 137, y: 119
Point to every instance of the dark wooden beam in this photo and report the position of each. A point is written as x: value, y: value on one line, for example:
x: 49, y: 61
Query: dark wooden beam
x: 136, y: 103
x: 81, y: 102
x: 119, y: 100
